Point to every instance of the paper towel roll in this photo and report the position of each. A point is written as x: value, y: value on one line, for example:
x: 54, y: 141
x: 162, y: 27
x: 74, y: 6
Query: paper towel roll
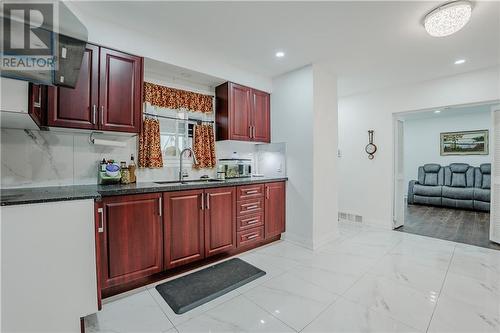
x: 100, y: 142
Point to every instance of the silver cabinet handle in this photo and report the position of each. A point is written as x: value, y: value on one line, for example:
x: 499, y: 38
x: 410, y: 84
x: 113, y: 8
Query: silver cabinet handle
x: 94, y: 114
x: 252, y: 222
x: 252, y: 207
x: 208, y: 200
x: 253, y: 134
x: 252, y: 192
x: 160, y: 207
x: 267, y: 192
x: 102, y: 114
x: 252, y: 236
x: 250, y: 129
x: 202, y: 202
x: 101, y: 222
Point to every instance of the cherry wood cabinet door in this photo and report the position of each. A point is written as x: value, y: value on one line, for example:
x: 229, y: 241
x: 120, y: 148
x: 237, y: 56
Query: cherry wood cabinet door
x: 183, y: 227
x: 77, y: 108
x: 274, y: 209
x: 220, y: 220
x: 120, y: 91
x: 240, y: 112
x: 132, y: 238
x: 261, y: 117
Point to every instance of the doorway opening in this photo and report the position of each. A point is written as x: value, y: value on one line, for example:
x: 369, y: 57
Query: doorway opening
x: 444, y: 173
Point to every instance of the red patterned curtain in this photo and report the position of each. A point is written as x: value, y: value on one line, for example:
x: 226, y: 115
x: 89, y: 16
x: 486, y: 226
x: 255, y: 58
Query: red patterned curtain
x: 204, y: 146
x: 150, y: 145
x: 171, y: 98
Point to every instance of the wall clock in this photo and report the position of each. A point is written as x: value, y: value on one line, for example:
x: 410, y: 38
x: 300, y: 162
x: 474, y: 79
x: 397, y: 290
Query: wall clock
x: 370, y: 147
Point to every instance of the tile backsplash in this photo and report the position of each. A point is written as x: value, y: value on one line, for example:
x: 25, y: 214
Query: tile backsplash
x: 46, y: 158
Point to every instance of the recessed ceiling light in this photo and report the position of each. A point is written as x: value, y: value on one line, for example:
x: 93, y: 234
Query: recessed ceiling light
x: 280, y: 54
x: 448, y: 18
x: 437, y: 111
x: 459, y: 61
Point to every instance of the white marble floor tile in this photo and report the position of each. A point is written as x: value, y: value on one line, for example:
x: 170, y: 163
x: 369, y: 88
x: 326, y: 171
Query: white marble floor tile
x: 352, y: 247
x: 340, y: 262
x: 288, y: 251
x: 335, y: 282
x: 236, y: 315
x: 454, y: 316
x: 292, y: 300
x: 479, y: 252
x: 347, y: 316
x: 481, y: 294
x: 425, y: 253
x: 135, y: 313
x: 400, y: 302
x: 409, y: 273
x: 473, y: 264
x: 177, y: 319
x: 378, y: 237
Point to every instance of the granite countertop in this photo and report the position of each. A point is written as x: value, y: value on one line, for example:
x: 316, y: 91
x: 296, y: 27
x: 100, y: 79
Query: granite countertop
x: 19, y: 196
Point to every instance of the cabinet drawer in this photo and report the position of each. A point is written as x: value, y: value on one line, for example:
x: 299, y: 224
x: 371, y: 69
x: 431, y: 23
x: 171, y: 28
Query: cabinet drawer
x: 248, y: 222
x: 250, y: 237
x: 247, y: 207
x: 250, y: 191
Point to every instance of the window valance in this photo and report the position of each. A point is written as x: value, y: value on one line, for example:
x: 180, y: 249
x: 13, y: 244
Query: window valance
x: 177, y: 99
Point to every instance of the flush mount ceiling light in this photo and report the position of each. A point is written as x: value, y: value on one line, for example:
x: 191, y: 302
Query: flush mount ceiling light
x: 437, y: 111
x: 280, y: 54
x: 459, y: 61
x: 448, y: 18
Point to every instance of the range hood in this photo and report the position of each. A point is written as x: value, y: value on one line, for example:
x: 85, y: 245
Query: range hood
x: 42, y: 43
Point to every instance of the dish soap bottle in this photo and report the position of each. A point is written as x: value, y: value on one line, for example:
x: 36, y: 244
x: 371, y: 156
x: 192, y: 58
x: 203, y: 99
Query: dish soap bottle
x: 131, y: 169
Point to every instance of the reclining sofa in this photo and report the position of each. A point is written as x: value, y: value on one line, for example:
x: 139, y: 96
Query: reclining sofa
x: 458, y: 185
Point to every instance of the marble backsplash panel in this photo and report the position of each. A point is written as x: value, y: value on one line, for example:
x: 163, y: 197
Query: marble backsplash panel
x: 46, y: 158
x: 40, y: 158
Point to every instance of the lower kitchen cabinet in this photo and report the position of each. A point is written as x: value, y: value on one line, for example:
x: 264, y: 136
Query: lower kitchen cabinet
x: 144, y: 234
x: 274, y: 209
x: 184, y: 229
x: 220, y: 220
x: 131, y: 239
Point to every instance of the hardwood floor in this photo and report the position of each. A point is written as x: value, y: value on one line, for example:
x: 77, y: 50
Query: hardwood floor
x: 456, y: 225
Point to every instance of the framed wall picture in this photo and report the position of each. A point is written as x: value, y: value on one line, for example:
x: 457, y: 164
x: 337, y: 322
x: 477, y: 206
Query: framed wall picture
x: 465, y: 143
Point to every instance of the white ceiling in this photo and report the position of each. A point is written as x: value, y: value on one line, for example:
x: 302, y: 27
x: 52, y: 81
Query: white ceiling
x: 368, y: 44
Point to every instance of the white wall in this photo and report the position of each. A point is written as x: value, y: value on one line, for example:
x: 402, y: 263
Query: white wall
x: 325, y: 125
x: 304, y: 115
x: 422, y: 140
x: 292, y: 122
x: 365, y: 186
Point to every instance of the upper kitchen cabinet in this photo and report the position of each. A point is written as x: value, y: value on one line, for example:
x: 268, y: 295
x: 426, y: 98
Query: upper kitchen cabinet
x: 120, y: 93
x: 242, y: 113
x: 77, y: 108
x: 107, y: 96
x: 261, y: 117
x: 21, y: 104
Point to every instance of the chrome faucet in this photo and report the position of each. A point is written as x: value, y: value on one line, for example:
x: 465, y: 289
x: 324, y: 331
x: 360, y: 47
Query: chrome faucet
x: 180, y: 161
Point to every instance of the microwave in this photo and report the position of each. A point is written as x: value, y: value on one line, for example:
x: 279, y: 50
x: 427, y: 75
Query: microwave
x: 235, y: 168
